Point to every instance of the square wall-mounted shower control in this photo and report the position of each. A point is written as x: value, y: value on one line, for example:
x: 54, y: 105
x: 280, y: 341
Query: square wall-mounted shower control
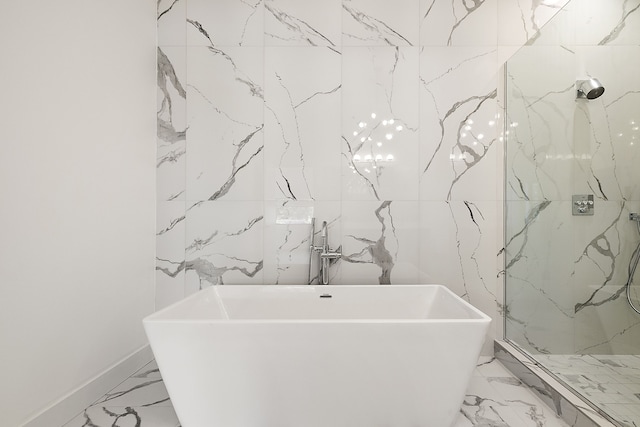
x: 582, y: 204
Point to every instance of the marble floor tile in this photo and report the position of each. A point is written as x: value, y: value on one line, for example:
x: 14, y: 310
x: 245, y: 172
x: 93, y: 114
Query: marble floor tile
x: 495, y: 398
x: 629, y: 415
x: 488, y: 367
x: 137, y: 392
x: 108, y: 416
x: 611, y: 382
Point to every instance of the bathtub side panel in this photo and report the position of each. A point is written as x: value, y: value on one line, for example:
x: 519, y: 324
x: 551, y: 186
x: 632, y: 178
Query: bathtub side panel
x: 337, y: 374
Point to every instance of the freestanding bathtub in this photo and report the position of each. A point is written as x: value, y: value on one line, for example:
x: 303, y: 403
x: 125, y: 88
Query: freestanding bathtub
x: 317, y: 356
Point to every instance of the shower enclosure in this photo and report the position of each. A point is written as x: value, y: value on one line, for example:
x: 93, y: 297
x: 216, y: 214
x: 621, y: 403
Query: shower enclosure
x: 572, y: 185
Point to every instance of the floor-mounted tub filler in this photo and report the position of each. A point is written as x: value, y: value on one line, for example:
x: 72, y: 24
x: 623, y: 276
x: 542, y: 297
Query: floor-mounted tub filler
x: 317, y: 356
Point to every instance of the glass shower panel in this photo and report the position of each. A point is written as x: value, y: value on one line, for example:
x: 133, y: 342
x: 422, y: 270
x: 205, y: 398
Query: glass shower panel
x: 566, y: 270
x: 538, y: 183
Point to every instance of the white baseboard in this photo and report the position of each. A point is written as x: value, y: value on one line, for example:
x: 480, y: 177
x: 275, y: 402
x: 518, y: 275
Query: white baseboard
x: 69, y: 406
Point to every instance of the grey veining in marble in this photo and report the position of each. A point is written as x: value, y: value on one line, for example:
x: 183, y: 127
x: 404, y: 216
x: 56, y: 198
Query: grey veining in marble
x: 466, y: 7
x: 521, y: 235
x: 607, y: 250
x: 165, y: 8
x: 167, y: 74
x: 375, y: 251
x: 225, y: 23
x: 302, y: 101
x: 291, y: 28
x: 171, y: 124
x: 456, y: 22
x: 367, y: 26
x: 237, y: 166
x: 530, y: 20
x: 471, y: 156
x: 628, y: 7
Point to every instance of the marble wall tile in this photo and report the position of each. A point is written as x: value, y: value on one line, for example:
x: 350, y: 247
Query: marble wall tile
x: 302, y: 123
x: 380, y: 123
x: 172, y: 16
x: 332, y: 108
x: 559, y: 31
x: 458, y: 123
x: 590, y: 23
x: 457, y: 249
x: 458, y: 23
x: 380, y: 23
x: 287, y: 241
x: 610, y: 125
x: 568, y: 294
x: 171, y: 123
x: 170, y: 235
x: 222, y: 23
x: 604, y: 243
x: 224, y: 244
x: 520, y: 21
x: 303, y: 23
x: 608, y: 22
x: 539, y: 295
x: 598, y: 242
x: 563, y: 147
x: 612, y: 328
x: 566, y: 279
x: 225, y: 138
x: 380, y: 242
x: 540, y: 124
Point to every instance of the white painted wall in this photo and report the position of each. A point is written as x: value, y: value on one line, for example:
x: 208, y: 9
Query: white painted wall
x: 77, y: 208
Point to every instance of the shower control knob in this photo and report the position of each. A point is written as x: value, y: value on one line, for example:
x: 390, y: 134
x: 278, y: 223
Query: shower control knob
x: 583, y: 204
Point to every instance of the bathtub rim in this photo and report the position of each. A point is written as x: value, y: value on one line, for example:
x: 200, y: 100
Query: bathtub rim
x: 157, y: 317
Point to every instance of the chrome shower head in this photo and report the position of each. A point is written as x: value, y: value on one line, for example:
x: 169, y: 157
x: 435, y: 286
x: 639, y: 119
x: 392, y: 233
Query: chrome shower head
x: 589, y: 89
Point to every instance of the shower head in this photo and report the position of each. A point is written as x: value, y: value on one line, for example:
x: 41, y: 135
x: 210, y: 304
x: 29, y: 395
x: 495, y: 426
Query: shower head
x: 589, y: 89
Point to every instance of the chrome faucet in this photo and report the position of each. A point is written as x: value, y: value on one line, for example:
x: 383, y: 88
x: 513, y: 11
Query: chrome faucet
x: 326, y: 254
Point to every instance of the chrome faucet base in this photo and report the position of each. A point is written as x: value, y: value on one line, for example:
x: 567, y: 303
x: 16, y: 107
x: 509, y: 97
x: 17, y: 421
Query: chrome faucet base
x: 325, y: 254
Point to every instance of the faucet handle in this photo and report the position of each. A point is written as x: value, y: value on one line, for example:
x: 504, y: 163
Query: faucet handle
x: 331, y: 255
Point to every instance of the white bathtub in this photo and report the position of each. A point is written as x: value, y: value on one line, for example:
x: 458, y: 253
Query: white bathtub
x: 291, y: 356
